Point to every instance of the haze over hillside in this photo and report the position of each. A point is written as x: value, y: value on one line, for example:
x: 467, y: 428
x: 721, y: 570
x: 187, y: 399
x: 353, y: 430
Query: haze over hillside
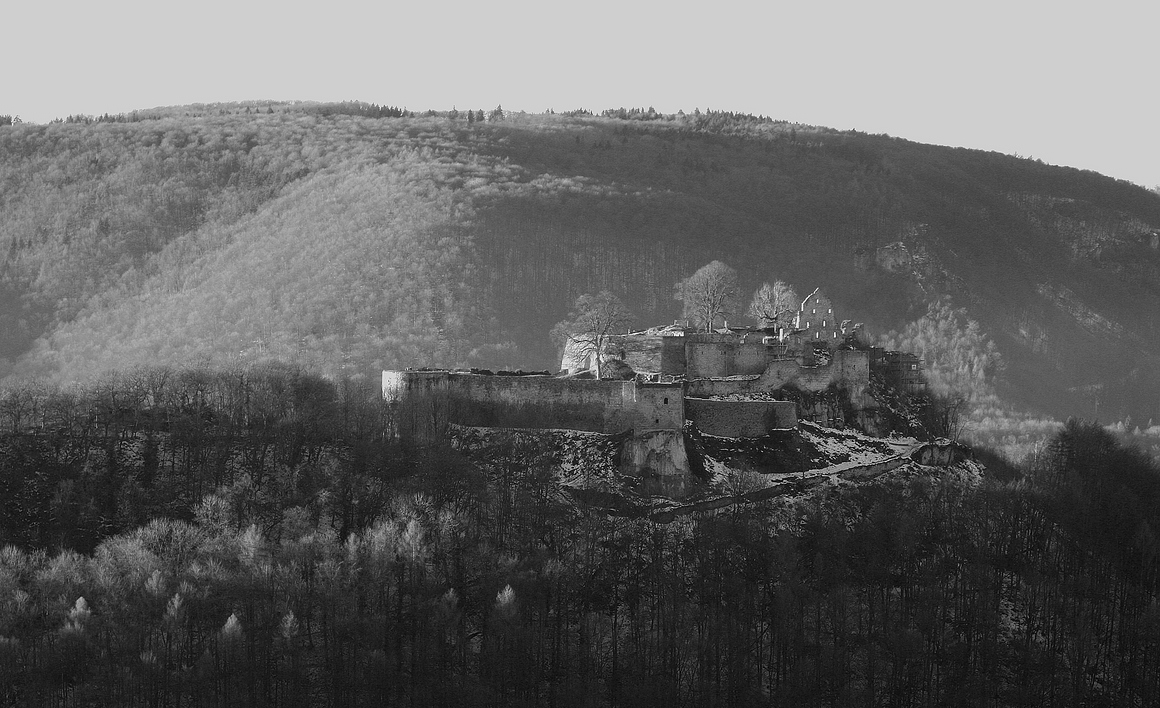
x: 351, y: 239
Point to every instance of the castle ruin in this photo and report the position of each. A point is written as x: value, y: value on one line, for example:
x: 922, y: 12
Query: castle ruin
x: 734, y: 382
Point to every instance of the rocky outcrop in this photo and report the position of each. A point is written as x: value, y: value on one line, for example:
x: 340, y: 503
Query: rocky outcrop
x: 939, y: 453
x: 660, y: 460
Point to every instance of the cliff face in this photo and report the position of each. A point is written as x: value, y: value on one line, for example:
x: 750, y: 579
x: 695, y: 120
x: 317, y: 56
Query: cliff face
x: 660, y: 461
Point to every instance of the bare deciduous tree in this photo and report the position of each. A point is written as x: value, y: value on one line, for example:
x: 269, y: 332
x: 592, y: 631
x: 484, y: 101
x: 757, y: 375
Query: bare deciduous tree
x: 709, y: 293
x: 774, y: 305
x: 592, y: 319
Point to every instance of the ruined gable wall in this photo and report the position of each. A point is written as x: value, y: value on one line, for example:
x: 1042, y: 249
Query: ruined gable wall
x: 817, y: 317
x: 740, y: 419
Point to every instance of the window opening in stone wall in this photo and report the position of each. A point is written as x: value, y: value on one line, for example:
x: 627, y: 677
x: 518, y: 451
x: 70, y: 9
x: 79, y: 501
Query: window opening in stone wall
x: 666, y: 401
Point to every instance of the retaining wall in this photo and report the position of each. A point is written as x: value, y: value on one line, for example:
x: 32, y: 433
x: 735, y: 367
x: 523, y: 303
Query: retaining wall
x: 740, y: 419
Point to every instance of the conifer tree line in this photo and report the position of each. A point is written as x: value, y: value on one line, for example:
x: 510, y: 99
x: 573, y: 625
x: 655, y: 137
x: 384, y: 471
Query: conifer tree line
x: 254, y: 537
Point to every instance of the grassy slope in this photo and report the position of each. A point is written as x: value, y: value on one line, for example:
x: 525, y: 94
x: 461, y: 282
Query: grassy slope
x: 354, y: 243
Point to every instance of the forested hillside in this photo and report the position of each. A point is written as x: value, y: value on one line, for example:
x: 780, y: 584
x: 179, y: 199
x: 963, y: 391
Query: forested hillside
x: 252, y: 537
x: 351, y: 237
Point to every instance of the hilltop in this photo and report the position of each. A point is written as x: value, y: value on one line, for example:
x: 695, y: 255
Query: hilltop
x: 353, y: 238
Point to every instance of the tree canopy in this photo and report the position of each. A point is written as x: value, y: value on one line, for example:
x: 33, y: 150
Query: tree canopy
x: 251, y: 537
x: 709, y: 293
x: 774, y: 305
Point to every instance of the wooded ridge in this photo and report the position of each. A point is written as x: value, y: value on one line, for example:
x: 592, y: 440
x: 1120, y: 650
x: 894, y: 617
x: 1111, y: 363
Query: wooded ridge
x: 351, y: 238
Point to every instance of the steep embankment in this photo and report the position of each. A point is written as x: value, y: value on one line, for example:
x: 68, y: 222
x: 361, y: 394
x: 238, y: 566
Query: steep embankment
x: 596, y: 469
x: 348, y: 241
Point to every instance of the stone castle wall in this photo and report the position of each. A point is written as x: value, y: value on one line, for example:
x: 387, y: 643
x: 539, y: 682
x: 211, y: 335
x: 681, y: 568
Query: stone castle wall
x: 427, y: 401
x: 657, y: 407
x: 753, y: 356
x: 846, y: 366
x: 707, y: 359
x: 740, y: 419
x: 712, y: 355
x: 539, y: 402
x: 694, y: 354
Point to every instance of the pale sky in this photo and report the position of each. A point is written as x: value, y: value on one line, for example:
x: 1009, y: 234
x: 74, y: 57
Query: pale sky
x: 1067, y: 83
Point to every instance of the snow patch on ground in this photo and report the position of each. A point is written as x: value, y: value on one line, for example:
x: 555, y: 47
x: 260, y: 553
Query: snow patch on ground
x: 833, y: 457
x: 717, y: 471
x: 821, y: 461
x: 850, y: 445
x: 753, y: 396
